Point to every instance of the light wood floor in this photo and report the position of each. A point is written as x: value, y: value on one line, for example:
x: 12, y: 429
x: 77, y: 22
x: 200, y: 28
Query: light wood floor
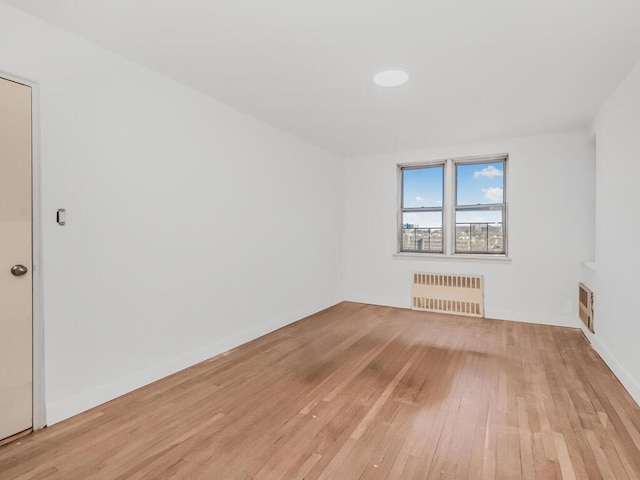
x: 360, y: 391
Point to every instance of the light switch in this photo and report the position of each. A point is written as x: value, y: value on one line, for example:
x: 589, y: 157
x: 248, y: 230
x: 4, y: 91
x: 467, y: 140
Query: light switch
x: 61, y: 216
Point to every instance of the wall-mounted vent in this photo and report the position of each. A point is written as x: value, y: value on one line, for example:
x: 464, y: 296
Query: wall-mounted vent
x: 585, y: 302
x: 456, y: 294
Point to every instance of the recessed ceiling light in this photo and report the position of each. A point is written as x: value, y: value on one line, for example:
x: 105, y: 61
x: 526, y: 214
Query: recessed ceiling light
x: 391, y: 78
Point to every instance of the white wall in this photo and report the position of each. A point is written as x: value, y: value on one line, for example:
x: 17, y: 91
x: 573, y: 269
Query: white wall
x: 617, y: 278
x: 550, y: 202
x: 192, y: 228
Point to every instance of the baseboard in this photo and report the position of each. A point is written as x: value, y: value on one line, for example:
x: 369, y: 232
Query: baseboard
x: 383, y: 302
x: 570, y: 320
x: 616, y: 367
x: 68, y: 407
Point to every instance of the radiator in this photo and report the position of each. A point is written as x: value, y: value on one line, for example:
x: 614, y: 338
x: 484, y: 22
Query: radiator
x: 585, y: 303
x: 446, y: 293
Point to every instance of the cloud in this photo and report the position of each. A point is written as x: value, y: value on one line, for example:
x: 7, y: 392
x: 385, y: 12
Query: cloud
x: 488, y: 172
x: 420, y: 199
x: 493, y: 194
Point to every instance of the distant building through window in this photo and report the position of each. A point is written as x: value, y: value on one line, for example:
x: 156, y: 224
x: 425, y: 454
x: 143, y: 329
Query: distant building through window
x: 455, y: 206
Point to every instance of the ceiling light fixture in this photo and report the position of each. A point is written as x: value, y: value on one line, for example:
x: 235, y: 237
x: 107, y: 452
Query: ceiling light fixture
x: 391, y: 78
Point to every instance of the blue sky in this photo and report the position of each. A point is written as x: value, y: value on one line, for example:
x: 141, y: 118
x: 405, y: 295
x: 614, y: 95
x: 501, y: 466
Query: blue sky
x: 423, y: 187
x: 476, y: 184
x: 481, y: 183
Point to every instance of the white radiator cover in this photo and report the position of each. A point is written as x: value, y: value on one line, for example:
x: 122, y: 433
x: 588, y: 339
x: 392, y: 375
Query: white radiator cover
x: 447, y: 293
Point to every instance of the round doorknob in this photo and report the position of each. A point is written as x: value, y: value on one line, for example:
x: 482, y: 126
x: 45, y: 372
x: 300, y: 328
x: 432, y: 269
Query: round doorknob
x: 19, y: 270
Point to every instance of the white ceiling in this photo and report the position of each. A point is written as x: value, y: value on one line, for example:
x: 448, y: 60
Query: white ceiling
x: 479, y: 69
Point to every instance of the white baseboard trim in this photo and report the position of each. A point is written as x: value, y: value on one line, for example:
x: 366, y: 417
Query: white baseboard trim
x: 616, y: 367
x: 570, y: 320
x: 83, y: 401
x: 383, y: 302
x: 68, y: 407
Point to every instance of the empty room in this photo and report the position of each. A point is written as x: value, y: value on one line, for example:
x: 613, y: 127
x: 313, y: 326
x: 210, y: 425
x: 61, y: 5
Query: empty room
x: 284, y: 239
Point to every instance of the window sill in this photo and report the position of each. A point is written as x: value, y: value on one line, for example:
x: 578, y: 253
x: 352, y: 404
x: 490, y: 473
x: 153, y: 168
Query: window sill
x: 452, y: 258
x: 590, y: 265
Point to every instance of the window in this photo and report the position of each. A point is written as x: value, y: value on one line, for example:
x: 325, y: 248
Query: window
x: 456, y: 206
x: 422, y: 207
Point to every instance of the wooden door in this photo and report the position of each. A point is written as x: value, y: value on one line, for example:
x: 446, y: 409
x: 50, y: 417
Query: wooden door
x: 16, y: 286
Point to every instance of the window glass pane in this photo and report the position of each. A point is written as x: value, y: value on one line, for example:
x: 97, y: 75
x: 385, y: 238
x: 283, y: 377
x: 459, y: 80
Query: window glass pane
x: 422, y: 187
x: 422, y: 231
x: 480, y: 183
x: 479, y: 231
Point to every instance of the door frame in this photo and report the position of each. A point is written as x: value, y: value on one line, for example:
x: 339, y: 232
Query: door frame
x: 38, y: 375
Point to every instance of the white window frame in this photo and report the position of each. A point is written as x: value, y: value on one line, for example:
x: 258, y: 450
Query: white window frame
x: 449, y: 207
x: 442, y: 164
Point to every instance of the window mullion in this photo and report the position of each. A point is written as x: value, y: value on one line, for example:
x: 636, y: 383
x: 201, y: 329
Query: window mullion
x: 449, y: 208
